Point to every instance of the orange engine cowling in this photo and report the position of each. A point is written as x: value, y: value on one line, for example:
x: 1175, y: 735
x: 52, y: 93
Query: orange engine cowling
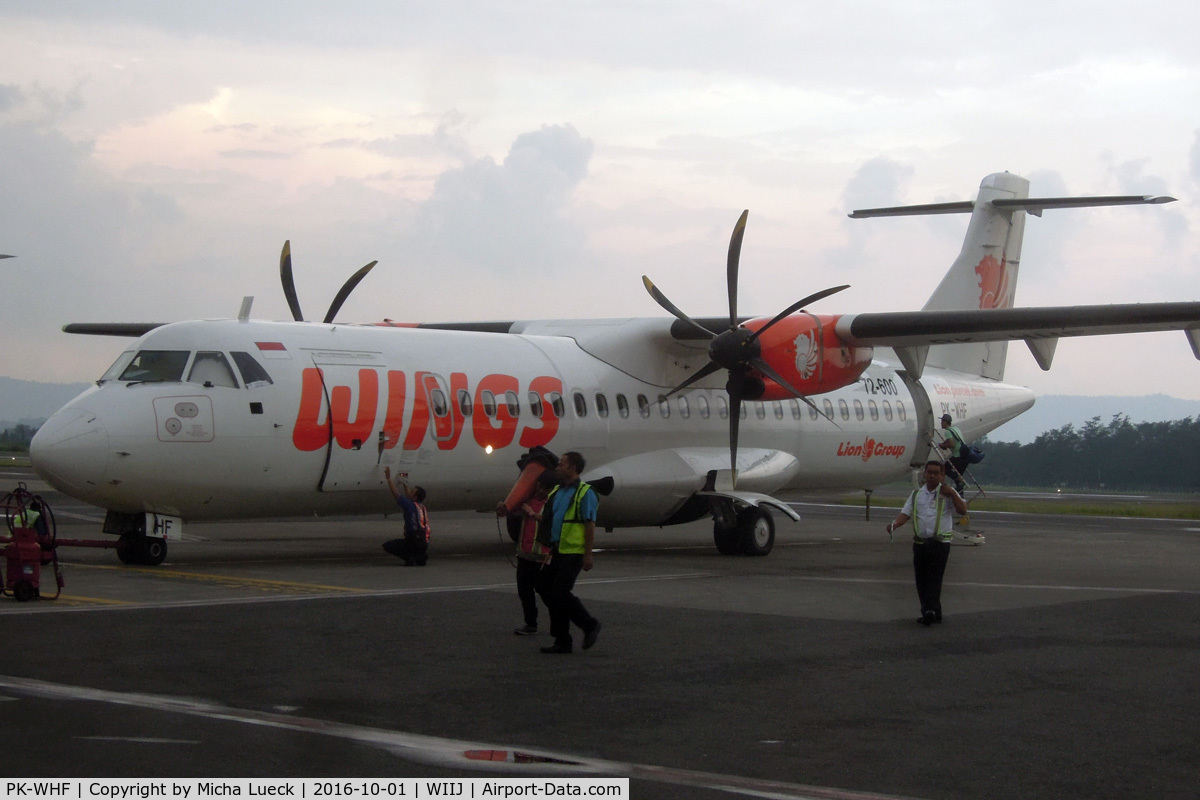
x: 804, y: 349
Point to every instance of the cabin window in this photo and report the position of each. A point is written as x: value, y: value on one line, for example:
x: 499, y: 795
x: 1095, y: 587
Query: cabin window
x: 795, y: 404
x: 743, y: 412
x: 760, y: 409
x: 685, y: 410
x: 487, y: 401
x: 601, y: 405
x: 664, y: 406
x: 535, y: 404
x: 212, y: 369
x: 156, y: 366
x: 253, y: 374
x: 580, y: 404
x: 623, y: 406
x: 843, y: 409
x: 643, y: 405
x: 858, y: 410
x: 828, y: 406
x: 778, y: 409
x: 887, y: 410
x: 722, y: 407
x: 437, y: 399
x: 873, y: 410
x: 556, y: 403
x: 702, y: 405
x: 900, y: 412
x: 513, y: 403
x: 464, y: 402
x: 812, y: 412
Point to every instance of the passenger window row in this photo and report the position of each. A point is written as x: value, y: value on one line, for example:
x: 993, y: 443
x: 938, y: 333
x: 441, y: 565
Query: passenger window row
x: 683, y: 405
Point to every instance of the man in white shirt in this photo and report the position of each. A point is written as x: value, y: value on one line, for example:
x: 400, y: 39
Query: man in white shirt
x: 933, y: 528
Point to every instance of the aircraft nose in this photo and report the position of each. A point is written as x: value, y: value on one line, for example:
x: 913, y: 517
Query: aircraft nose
x: 70, y: 451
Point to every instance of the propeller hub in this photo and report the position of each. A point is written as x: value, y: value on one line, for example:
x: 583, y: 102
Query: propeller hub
x: 734, y: 349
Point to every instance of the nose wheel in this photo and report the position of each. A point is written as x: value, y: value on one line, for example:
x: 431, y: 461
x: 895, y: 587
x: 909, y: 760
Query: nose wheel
x: 143, y: 551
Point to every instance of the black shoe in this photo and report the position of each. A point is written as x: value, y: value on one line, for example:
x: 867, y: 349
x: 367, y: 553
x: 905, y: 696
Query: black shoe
x: 528, y: 630
x: 589, y: 638
x: 558, y: 648
x: 927, y: 619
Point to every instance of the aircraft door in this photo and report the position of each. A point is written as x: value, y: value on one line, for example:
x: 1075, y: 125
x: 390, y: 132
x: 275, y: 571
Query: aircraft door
x: 353, y: 403
x: 924, y: 413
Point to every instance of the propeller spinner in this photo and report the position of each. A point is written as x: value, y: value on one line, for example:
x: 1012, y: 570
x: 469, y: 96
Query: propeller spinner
x: 289, y: 285
x: 737, y: 349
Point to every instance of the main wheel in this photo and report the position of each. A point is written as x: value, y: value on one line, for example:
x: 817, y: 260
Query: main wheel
x: 756, y: 529
x: 728, y: 540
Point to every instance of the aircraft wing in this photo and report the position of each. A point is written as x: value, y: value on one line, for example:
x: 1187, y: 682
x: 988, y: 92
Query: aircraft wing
x: 911, y: 333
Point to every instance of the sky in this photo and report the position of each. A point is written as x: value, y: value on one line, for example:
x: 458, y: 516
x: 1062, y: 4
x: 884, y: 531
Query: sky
x: 528, y: 160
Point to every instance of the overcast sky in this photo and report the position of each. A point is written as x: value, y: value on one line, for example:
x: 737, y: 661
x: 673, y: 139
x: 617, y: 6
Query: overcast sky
x: 534, y: 159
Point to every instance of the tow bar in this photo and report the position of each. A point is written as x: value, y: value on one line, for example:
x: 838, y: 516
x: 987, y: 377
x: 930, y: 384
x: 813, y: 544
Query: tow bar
x: 32, y: 543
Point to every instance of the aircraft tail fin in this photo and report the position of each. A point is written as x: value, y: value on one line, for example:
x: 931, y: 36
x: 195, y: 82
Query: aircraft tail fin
x: 984, y: 276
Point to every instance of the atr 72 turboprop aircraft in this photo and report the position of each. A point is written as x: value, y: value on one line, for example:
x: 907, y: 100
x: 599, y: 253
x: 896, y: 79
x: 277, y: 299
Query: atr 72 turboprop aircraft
x: 678, y: 418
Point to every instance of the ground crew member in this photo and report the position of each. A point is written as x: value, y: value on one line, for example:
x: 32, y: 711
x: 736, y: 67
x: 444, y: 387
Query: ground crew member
x: 955, y: 443
x: 568, y: 528
x: 531, y: 554
x: 414, y: 546
x: 933, y: 528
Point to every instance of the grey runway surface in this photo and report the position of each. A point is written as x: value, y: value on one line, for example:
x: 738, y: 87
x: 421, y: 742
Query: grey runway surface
x: 1066, y: 665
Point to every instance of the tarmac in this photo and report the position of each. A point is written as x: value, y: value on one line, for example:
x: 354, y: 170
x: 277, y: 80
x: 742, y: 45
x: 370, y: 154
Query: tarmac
x: 1066, y: 665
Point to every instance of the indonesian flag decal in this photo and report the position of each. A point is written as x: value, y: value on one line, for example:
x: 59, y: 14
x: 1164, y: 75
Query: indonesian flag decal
x: 272, y: 350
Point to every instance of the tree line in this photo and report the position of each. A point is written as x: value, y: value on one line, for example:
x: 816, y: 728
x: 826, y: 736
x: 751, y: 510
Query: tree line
x: 1162, y: 456
x: 17, y: 438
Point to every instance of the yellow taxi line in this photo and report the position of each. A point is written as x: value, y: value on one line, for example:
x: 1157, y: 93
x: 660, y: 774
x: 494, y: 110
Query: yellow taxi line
x: 261, y: 583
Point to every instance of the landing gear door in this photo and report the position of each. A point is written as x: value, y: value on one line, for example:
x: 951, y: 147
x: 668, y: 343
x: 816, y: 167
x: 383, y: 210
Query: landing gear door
x: 353, y: 407
x: 924, y: 413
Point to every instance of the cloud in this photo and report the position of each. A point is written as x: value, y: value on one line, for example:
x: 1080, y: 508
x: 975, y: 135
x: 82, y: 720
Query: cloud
x: 513, y: 218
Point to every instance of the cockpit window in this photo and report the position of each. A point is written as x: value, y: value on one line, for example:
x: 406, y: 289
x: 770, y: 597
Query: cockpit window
x: 211, y: 369
x: 118, y: 367
x: 253, y: 375
x: 156, y: 366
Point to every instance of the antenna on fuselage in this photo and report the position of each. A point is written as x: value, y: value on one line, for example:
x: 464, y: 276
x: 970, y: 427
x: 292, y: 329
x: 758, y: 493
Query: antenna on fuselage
x: 244, y: 311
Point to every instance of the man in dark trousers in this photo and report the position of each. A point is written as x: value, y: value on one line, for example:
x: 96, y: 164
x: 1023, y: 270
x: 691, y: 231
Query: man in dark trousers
x: 933, y: 528
x: 568, y: 529
x: 413, y: 547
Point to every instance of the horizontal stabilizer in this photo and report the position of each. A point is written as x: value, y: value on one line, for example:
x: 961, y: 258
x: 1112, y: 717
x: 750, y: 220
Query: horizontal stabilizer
x: 1034, y: 205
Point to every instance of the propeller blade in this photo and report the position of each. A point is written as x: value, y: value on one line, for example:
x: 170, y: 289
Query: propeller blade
x: 289, y: 285
x: 662, y: 300
x: 735, y: 417
x: 346, y: 289
x: 794, y: 307
x: 766, y: 369
x: 731, y: 273
x: 703, y: 372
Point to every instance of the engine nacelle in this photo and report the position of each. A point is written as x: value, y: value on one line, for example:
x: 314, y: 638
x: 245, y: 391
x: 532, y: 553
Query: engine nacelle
x: 804, y: 349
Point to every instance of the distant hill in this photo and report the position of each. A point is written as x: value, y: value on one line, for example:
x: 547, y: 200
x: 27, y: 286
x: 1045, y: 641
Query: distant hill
x: 1053, y: 411
x: 30, y: 402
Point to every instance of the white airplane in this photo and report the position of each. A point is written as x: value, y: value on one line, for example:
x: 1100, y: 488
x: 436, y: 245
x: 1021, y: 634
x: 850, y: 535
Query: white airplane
x: 678, y: 418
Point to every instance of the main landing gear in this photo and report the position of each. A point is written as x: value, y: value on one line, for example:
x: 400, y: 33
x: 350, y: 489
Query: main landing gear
x: 746, y: 531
